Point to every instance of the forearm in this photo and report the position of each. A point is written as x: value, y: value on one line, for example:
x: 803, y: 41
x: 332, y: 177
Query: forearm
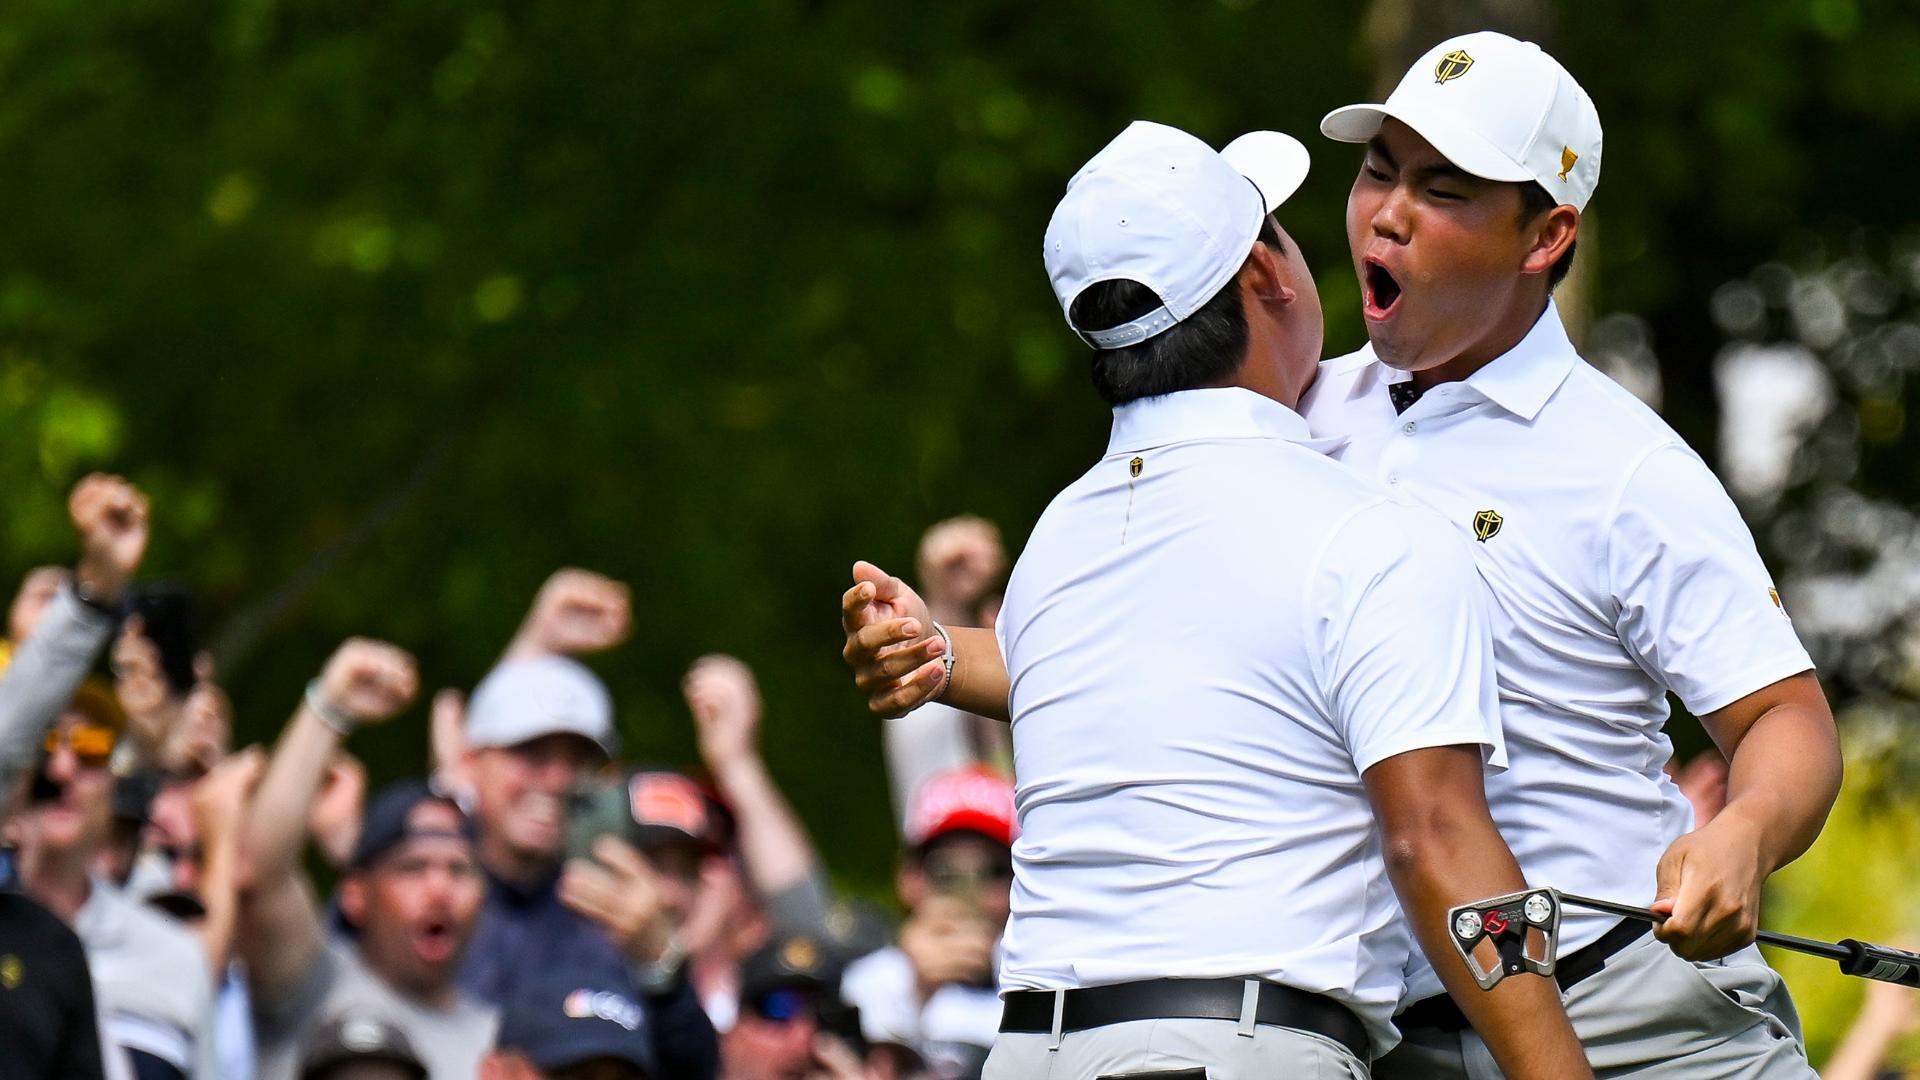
x: 1442, y: 851
x: 774, y: 846
x: 1521, y: 1019
x: 1783, y: 778
x: 980, y: 685
x: 276, y: 824
x: 218, y: 894
x: 43, y: 675
x: 1861, y: 1054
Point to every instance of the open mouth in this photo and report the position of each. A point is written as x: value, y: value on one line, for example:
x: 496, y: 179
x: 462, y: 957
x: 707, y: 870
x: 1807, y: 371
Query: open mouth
x: 1383, y: 291
x: 434, y: 942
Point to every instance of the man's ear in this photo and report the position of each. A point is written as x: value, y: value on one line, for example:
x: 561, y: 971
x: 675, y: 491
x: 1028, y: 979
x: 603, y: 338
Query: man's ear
x: 353, y: 899
x: 1553, y: 234
x: 1264, y: 278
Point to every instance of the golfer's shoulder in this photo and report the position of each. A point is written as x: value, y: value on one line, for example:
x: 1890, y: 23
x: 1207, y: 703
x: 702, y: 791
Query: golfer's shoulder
x: 1597, y: 412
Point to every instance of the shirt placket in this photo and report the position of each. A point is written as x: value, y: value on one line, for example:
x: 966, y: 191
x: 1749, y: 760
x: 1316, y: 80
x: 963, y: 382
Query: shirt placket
x: 1404, y: 451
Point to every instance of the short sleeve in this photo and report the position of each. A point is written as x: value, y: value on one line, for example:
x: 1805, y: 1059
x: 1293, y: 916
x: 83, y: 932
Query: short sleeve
x: 1694, y: 603
x: 1399, y: 615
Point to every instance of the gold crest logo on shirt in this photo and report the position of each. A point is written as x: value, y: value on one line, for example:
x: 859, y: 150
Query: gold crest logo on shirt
x: 1486, y: 525
x: 1452, y: 66
x: 1134, y: 466
x: 11, y: 971
x: 1774, y: 595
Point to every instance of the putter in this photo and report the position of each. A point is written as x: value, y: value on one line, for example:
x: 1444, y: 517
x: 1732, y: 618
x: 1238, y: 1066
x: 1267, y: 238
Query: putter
x: 1519, y: 933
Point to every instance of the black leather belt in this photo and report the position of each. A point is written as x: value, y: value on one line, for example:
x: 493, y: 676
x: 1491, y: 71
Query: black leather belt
x: 1439, y: 1013
x: 1031, y: 1011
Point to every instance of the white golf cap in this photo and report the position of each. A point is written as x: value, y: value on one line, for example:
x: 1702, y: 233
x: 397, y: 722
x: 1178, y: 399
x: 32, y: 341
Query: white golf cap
x: 522, y: 700
x: 1162, y: 208
x: 1500, y: 108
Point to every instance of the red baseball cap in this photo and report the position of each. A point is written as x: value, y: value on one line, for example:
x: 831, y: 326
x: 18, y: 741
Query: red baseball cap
x: 974, y: 798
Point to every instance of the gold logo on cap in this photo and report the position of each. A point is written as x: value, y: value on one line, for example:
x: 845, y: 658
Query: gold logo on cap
x: 800, y: 954
x: 10, y: 971
x: 1452, y: 66
x: 1486, y: 525
x: 1774, y: 595
x: 1567, y: 158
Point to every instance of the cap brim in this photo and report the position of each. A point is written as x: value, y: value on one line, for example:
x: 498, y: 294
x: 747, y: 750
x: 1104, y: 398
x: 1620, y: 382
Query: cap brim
x: 1459, y: 145
x: 1276, y: 163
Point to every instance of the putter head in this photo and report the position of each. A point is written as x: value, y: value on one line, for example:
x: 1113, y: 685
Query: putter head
x: 1507, y: 935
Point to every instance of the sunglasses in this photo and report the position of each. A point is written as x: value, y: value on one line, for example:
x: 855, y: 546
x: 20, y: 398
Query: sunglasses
x: 90, y: 743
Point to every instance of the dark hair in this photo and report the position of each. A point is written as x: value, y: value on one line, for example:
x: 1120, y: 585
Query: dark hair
x: 1534, y: 201
x: 1201, y: 350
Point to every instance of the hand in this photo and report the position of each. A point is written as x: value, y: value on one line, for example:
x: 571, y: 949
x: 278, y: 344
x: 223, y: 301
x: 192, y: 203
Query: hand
x: 1709, y: 889
x: 947, y: 942
x: 576, y: 611
x: 219, y: 800
x: 725, y: 703
x: 448, y: 742
x: 959, y: 560
x: 205, y: 729
x: 891, y: 646
x: 334, y: 818
x: 141, y: 685
x: 111, y: 517
x: 833, y: 1059
x: 368, y: 681
x: 617, y: 890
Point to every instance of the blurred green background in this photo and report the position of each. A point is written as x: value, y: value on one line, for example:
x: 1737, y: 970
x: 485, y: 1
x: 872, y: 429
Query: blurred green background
x: 394, y: 307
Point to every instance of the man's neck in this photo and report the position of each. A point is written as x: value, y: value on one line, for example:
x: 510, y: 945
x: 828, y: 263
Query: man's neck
x: 440, y: 997
x: 1507, y: 334
x: 512, y: 867
x: 60, y: 882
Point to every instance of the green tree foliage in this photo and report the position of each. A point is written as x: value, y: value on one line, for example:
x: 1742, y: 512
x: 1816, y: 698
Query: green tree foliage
x: 397, y: 306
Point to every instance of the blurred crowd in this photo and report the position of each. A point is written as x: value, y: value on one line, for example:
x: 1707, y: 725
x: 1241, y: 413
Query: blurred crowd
x: 529, y: 904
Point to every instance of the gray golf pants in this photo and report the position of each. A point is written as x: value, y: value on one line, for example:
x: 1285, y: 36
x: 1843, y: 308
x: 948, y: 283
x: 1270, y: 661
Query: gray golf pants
x: 1172, y: 1050
x: 1653, y: 1016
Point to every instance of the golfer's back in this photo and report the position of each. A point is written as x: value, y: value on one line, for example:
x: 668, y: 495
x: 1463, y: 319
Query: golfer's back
x: 1210, y: 636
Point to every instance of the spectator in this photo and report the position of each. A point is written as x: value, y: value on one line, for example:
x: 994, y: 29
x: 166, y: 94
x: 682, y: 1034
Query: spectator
x: 409, y: 899
x: 787, y: 891
x: 934, y: 992
x: 1890, y: 1013
x: 792, y: 1024
x: 563, y: 1027
x: 961, y: 565
x: 360, y: 1046
x: 59, y: 623
x: 150, y: 976
x: 537, y: 725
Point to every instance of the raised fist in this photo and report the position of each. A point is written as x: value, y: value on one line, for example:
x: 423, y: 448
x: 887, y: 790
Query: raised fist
x: 960, y: 559
x: 110, y: 515
x: 725, y: 703
x: 368, y: 681
x: 576, y: 611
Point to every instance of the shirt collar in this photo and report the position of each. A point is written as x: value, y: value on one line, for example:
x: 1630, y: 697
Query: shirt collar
x: 1521, y: 379
x: 1229, y: 412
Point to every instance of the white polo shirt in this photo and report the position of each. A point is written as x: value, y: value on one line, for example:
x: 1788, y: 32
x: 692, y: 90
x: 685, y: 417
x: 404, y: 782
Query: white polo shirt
x: 1620, y: 570
x: 1210, y: 636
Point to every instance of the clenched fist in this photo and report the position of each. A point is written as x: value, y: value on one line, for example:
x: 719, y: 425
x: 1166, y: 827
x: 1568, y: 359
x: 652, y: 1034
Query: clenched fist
x: 110, y: 515
x: 368, y: 681
x: 725, y: 703
x: 577, y: 611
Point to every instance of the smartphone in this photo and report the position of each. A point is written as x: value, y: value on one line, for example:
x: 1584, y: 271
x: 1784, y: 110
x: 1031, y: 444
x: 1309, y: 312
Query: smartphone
x: 171, y: 620
x: 596, y: 807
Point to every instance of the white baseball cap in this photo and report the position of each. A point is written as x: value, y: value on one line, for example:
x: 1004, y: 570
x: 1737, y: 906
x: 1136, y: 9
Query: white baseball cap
x: 1160, y: 207
x: 1500, y: 108
x: 522, y: 700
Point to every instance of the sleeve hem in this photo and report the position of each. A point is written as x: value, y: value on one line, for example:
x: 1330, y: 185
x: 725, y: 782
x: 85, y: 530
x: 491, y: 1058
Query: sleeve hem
x: 1431, y: 738
x: 1757, y: 677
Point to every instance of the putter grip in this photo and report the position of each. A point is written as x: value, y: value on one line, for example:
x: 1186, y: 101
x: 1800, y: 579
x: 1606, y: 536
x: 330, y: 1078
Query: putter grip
x: 1880, y: 962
